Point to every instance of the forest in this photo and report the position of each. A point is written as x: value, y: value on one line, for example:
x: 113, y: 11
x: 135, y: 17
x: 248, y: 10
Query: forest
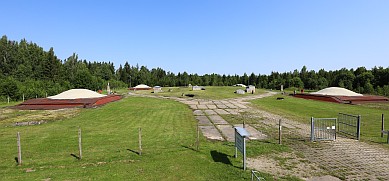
x: 26, y: 69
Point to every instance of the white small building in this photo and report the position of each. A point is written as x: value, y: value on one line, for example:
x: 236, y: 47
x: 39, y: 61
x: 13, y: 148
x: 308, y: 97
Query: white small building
x: 197, y: 88
x: 240, y: 91
x: 157, y: 89
x: 250, y: 89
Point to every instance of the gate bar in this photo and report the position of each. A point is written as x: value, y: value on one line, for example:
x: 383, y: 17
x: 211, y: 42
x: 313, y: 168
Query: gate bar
x: 350, y: 115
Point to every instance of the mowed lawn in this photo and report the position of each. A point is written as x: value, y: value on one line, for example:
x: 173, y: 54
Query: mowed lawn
x: 110, y: 146
x: 210, y: 92
x: 6, y: 104
x: 302, y: 110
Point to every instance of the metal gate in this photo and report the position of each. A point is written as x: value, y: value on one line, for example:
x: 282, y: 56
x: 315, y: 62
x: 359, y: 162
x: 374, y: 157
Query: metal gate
x: 349, y: 125
x: 323, y: 129
x: 254, y: 176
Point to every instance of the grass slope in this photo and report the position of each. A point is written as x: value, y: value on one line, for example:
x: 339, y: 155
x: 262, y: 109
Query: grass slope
x: 110, y: 143
x: 302, y: 110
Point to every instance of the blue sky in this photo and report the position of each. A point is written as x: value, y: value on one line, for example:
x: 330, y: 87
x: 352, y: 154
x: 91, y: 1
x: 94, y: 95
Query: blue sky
x: 208, y: 36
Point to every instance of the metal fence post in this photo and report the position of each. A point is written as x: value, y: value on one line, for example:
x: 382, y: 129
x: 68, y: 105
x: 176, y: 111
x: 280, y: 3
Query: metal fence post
x: 359, y: 128
x: 382, y: 126
x: 336, y: 121
x: 312, y: 129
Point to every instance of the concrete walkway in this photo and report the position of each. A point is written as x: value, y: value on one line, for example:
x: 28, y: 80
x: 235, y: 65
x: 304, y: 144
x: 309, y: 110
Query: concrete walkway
x: 213, y: 126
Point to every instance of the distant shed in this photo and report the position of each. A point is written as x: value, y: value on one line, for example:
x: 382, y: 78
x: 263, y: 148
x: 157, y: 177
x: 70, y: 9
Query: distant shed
x: 197, y: 88
x: 250, y: 89
x: 157, y: 89
x: 240, y: 91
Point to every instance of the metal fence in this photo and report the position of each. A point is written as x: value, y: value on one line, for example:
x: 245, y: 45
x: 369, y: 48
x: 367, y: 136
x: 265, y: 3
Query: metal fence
x: 349, y: 125
x: 323, y: 129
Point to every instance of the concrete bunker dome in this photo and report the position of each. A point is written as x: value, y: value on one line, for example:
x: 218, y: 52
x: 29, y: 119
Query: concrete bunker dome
x: 77, y: 94
x: 69, y: 99
x: 341, y: 95
x: 336, y: 91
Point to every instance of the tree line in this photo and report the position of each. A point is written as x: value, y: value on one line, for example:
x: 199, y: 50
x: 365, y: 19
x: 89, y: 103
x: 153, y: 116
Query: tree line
x: 28, y: 70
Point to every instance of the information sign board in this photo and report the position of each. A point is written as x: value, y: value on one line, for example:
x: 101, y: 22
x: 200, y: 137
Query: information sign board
x: 240, y: 143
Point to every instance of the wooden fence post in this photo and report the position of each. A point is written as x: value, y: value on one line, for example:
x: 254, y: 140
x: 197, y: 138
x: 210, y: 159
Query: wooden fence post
x: 244, y: 123
x: 279, y: 132
x: 140, y: 141
x: 19, y: 150
x: 79, y: 143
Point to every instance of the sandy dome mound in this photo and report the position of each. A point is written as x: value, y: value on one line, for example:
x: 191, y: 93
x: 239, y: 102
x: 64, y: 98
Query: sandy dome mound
x: 142, y: 86
x: 77, y: 94
x: 336, y: 91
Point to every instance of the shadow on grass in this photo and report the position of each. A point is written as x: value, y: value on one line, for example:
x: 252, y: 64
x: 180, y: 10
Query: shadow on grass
x: 220, y: 157
x: 379, y: 142
x: 300, y: 139
x: 16, y: 159
x: 190, y: 148
x: 133, y: 151
x: 75, y: 156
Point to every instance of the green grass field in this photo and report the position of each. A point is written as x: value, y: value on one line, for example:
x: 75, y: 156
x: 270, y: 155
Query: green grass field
x: 6, y: 104
x: 302, y: 110
x: 110, y: 146
x: 210, y: 92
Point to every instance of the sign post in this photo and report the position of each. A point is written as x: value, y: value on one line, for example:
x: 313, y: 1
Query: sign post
x: 240, y: 143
